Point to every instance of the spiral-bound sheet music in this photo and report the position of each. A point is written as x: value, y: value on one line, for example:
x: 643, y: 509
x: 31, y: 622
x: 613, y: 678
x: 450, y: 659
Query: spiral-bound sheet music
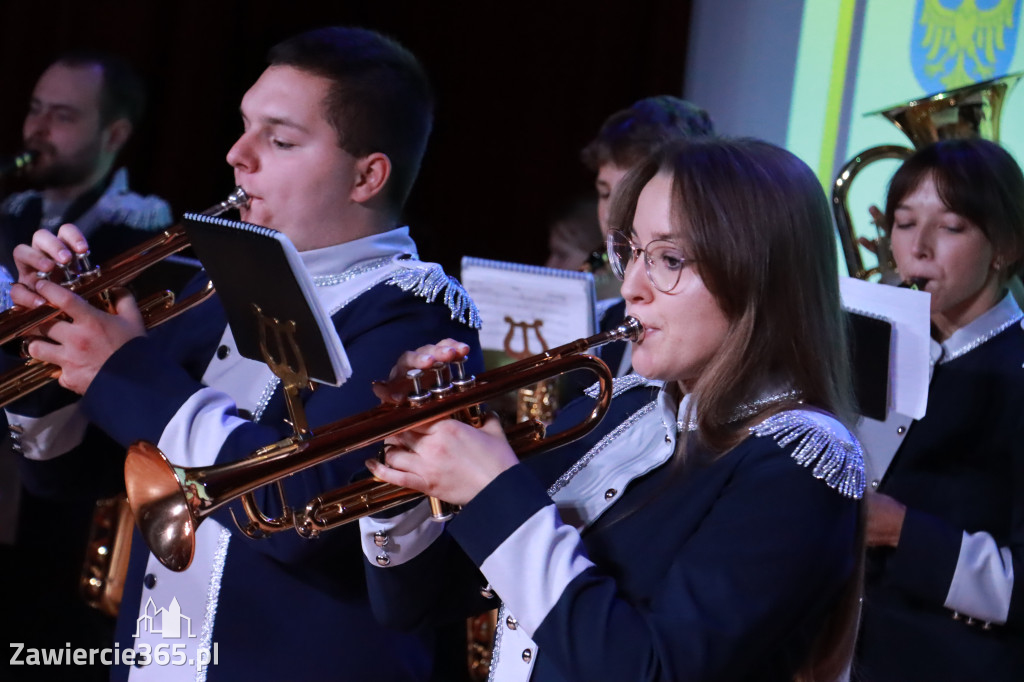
x: 250, y: 264
x: 517, y: 302
x: 906, y: 313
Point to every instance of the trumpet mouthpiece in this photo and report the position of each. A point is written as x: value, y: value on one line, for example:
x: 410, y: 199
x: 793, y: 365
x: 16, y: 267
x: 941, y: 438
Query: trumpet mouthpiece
x: 915, y: 283
x: 237, y: 199
x: 631, y: 329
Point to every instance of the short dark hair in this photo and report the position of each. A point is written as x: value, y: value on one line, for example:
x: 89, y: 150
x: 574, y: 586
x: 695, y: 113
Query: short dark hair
x: 629, y: 135
x: 380, y: 100
x: 123, y: 94
x: 755, y: 221
x: 976, y: 179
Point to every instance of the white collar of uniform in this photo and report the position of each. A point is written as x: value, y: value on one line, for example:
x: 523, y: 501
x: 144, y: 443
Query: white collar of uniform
x: 996, y: 319
x: 644, y: 441
x: 686, y: 417
x: 596, y: 481
x: 332, y: 260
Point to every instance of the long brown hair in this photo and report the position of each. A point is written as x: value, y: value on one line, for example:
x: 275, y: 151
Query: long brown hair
x: 756, y: 223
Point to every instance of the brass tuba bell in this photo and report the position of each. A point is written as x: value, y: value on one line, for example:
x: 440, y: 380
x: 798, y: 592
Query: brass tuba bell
x: 970, y: 111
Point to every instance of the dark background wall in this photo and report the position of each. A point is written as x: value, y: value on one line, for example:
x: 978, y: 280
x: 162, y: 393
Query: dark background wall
x: 741, y: 63
x: 521, y: 87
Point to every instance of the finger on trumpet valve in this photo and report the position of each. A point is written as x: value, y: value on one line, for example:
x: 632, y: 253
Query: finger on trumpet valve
x: 84, y: 265
x: 70, y: 273
x: 474, y: 414
x: 442, y: 380
x: 459, y: 378
x: 418, y: 395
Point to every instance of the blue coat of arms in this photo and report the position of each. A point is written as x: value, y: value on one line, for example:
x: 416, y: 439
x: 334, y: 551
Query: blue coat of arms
x: 959, y: 42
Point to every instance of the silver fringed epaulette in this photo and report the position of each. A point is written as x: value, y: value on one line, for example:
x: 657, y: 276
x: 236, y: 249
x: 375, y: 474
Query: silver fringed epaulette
x: 5, y: 288
x: 15, y: 203
x: 619, y: 385
x: 836, y: 459
x: 427, y: 280
x: 150, y: 213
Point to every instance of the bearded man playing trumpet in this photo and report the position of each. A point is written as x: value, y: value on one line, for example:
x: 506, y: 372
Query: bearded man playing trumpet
x: 334, y: 131
x: 81, y: 114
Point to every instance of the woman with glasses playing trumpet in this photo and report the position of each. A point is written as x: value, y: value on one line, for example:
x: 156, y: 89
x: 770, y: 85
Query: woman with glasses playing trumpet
x: 709, y: 529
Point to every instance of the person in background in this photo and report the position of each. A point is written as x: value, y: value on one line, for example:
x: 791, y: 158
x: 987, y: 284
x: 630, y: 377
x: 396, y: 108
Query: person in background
x: 945, y: 515
x: 574, y: 235
x: 626, y: 137
x: 575, y: 242
x: 709, y: 528
x: 83, y: 110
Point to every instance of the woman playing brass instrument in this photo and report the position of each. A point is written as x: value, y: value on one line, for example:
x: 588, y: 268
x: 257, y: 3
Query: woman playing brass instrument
x: 709, y: 528
x: 945, y: 521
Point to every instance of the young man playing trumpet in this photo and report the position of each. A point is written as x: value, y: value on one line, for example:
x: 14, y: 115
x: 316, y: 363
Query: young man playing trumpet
x: 334, y: 131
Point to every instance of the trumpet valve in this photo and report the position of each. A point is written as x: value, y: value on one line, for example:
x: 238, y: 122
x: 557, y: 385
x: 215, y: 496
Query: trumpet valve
x: 459, y: 379
x: 418, y: 396
x: 442, y: 380
x: 70, y: 273
x: 82, y: 259
x: 441, y: 511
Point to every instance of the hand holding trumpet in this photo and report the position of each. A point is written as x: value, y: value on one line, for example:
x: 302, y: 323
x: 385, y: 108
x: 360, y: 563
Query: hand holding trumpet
x: 446, y: 459
x: 82, y: 340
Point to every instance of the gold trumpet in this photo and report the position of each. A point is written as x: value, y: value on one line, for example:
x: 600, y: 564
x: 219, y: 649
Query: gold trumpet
x: 94, y: 284
x: 970, y: 111
x: 170, y: 502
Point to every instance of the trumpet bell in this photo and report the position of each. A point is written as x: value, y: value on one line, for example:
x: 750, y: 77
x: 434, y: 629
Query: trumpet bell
x: 971, y: 111
x: 161, y: 506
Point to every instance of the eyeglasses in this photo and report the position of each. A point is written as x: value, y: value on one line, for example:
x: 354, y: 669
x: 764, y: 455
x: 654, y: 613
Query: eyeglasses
x: 663, y: 261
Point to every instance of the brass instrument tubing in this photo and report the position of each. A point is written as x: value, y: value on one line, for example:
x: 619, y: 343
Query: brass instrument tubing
x: 169, y: 502
x: 19, y: 323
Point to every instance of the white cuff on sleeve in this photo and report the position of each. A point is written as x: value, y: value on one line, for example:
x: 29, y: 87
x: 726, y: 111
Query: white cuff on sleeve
x: 398, y: 539
x: 49, y: 436
x: 983, y: 579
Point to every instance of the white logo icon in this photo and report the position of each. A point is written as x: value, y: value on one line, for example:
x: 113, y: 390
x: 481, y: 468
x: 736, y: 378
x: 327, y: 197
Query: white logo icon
x: 164, y: 622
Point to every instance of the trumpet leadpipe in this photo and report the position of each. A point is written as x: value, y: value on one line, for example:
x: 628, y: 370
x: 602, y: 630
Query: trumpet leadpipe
x: 94, y: 285
x: 237, y: 199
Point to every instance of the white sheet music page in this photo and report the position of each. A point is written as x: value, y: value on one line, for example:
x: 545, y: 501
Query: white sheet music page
x: 527, y: 309
x: 908, y: 312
